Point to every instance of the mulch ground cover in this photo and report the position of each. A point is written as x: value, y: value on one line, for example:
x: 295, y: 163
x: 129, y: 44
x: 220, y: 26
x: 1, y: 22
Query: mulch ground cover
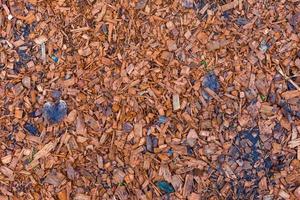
x: 149, y: 99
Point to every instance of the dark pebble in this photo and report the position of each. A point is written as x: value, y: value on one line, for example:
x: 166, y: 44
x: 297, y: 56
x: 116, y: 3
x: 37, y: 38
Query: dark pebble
x: 241, y: 21
x: 234, y: 152
x: 165, y: 186
x: 277, y: 77
x: 226, y: 15
x: 54, y: 58
x: 104, y: 29
x: 187, y: 4
x: 55, y: 112
x: 297, y: 114
x: 248, y: 176
x: 210, y: 81
x: 287, y: 111
x: 32, y: 129
x: 190, y: 150
x: 32, y: 114
x: 154, y: 142
x: 108, y: 111
x: 254, y: 155
x: 17, y: 66
x: 23, y: 56
x: 35, y: 113
x: 127, y: 127
x: 290, y: 86
x: 162, y: 119
x: 26, y: 30
x: 198, y: 5
x: 56, y: 94
x: 268, y: 163
x: 151, y: 143
x: 272, y: 98
x: 252, y: 135
x: 29, y: 6
x: 170, y: 152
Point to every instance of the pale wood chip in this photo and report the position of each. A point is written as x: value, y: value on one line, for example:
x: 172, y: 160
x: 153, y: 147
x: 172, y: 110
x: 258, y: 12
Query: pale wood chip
x: 7, y: 172
x: 213, y: 94
x: 188, y: 185
x: 294, y: 143
x: 176, y: 102
x: 230, y: 5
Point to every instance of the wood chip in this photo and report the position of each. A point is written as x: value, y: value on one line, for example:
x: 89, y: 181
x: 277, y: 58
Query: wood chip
x: 41, y: 39
x: 291, y: 94
x: 7, y: 172
x: 188, y: 185
x: 26, y: 82
x: 6, y: 159
x: 230, y: 5
x: 214, y: 45
x: 192, y: 137
x: 176, y: 102
x: 284, y: 195
x: 182, y: 99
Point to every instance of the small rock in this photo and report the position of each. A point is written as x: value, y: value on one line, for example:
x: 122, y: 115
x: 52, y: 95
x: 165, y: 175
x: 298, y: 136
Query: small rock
x: 104, y: 28
x: 26, y: 30
x: 127, y: 127
x: 210, y: 81
x: 32, y: 129
x: 189, y: 150
x: 241, y: 21
x: 54, y: 58
x: 165, y: 186
x: 26, y: 82
x: 56, y: 94
x: 187, y: 3
x: 263, y: 46
x: 55, y: 112
x: 162, y: 119
x: 170, y: 152
x: 151, y: 143
x: 295, y: 19
x: 140, y: 4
